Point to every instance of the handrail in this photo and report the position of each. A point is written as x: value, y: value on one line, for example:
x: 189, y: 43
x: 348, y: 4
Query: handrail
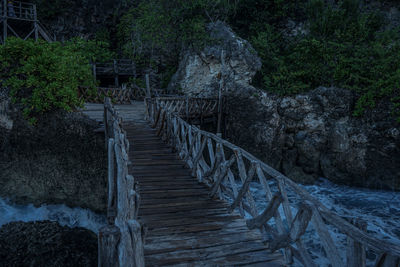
x: 18, y: 10
x: 118, y: 95
x: 121, y: 240
x: 212, y: 159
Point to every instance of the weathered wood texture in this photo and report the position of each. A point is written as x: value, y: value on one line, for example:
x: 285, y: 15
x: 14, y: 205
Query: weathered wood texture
x: 211, y: 160
x: 184, y: 225
x: 117, y: 95
x: 117, y: 66
x: 123, y: 235
x: 185, y: 107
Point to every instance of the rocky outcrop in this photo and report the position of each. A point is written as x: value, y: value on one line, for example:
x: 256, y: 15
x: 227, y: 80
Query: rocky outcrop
x: 84, y: 18
x: 46, y: 243
x: 306, y: 136
x: 315, y: 135
x: 61, y: 160
x: 229, y: 59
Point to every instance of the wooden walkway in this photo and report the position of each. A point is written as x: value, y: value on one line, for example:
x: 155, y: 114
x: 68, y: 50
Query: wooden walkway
x: 185, y: 226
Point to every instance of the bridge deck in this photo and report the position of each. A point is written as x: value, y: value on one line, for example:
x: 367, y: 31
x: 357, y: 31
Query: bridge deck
x: 185, y: 226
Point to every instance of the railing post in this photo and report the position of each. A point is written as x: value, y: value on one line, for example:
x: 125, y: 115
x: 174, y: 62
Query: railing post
x: 5, y: 14
x: 356, y: 254
x: 35, y: 23
x: 148, y: 90
x: 116, y: 78
x: 94, y: 70
x: 109, y: 237
x: 112, y: 184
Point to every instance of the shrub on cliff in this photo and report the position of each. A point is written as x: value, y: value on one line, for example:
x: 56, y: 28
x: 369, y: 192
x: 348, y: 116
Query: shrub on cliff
x: 154, y: 32
x: 43, y: 77
x: 339, y: 45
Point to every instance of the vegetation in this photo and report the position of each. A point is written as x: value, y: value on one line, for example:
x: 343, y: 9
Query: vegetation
x: 44, y: 77
x: 341, y: 45
x: 337, y: 43
x: 154, y: 32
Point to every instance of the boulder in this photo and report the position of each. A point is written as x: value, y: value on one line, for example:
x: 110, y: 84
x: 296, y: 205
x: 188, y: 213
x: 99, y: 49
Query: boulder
x: 306, y: 136
x: 227, y: 57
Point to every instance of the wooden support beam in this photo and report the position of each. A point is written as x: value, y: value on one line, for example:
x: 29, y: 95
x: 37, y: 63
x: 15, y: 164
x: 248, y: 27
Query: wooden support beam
x: 135, y: 232
x: 223, y: 171
x: 297, y: 229
x: 326, y: 239
x: 112, y: 184
x: 387, y: 260
x: 148, y: 88
x: 267, y: 214
x: 356, y: 253
x: 109, y: 238
x: 245, y: 187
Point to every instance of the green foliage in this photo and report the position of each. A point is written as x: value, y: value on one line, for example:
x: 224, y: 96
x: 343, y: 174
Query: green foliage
x: 44, y: 77
x: 51, y: 9
x: 93, y: 50
x: 251, y: 16
x: 154, y: 32
x: 345, y: 46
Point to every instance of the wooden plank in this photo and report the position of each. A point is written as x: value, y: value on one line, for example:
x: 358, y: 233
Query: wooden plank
x: 176, y: 208
x: 252, y: 258
x: 204, y: 253
x: 163, y: 246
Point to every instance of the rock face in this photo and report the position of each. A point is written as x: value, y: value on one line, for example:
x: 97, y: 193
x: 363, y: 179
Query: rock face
x: 229, y: 58
x: 306, y: 136
x: 59, y: 161
x: 46, y: 243
x: 78, y: 18
x: 315, y: 135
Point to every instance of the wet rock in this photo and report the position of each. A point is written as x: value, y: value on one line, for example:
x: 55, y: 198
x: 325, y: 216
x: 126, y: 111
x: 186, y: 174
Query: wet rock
x: 46, y: 243
x: 59, y: 161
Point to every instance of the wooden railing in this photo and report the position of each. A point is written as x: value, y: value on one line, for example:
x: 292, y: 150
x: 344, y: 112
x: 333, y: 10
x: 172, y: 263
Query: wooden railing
x: 116, y: 66
x: 184, y: 107
x: 118, y: 95
x: 291, y: 211
x: 18, y: 10
x: 120, y: 242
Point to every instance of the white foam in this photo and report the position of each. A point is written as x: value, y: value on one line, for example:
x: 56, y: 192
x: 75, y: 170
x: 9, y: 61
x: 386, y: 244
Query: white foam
x: 380, y: 209
x: 65, y: 216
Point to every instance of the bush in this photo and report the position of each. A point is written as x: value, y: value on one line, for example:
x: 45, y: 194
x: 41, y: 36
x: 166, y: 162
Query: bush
x: 44, y: 77
x: 345, y: 47
x: 154, y: 32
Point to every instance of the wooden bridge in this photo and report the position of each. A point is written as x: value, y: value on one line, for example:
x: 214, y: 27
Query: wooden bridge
x: 182, y: 196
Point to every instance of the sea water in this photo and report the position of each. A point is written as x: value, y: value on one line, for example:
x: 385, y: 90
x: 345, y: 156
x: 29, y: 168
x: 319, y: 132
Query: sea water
x: 65, y: 216
x: 379, y: 209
